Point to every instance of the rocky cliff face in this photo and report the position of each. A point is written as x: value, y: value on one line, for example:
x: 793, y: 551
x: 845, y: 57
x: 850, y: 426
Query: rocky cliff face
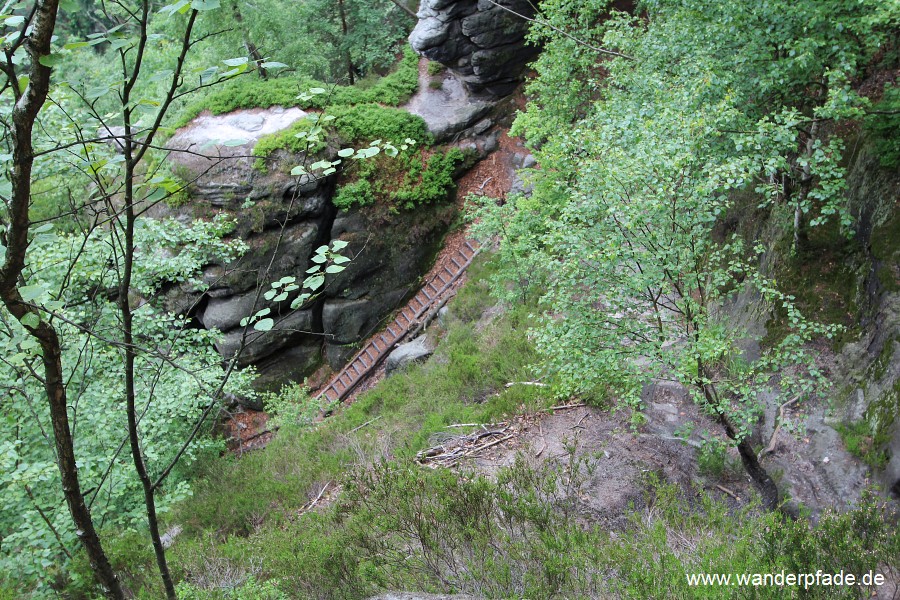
x: 481, y: 41
x: 869, y: 385
x: 283, y: 219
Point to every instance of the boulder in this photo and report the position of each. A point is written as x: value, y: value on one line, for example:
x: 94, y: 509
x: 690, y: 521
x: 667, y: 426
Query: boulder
x: 405, y: 354
x: 337, y: 355
x: 449, y: 110
x: 213, y: 153
x: 288, y: 253
x: 482, y: 43
x: 349, y: 321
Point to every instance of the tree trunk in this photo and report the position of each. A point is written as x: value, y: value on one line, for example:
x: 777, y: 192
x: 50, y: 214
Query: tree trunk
x: 764, y: 483
x: 344, y: 30
x: 28, y: 103
x: 252, y: 50
x: 761, y: 479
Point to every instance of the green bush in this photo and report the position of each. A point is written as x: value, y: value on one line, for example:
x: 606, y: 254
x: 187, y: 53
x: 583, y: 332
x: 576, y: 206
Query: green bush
x: 431, y: 184
x: 403, y: 182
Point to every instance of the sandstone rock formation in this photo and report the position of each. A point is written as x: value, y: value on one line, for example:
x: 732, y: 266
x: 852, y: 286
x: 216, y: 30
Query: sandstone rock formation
x: 482, y: 42
x: 283, y: 219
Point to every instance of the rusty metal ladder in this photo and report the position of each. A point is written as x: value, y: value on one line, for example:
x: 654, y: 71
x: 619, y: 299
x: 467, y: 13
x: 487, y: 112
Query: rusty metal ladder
x: 379, y: 346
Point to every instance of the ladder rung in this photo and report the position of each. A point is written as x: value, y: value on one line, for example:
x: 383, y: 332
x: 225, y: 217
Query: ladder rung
x: 456, y: 264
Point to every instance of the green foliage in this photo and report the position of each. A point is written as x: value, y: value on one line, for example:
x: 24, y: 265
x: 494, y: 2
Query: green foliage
x: 434, y: 68
x: 641, y: 160
x: 172, y: 396
x: 355, y: 193
x: 391, y: 90
x: 884, y: 125
x: 292, y: 406
x: 357, y: 115
x: 401, y: 526
x: 288, y: 140
x: 712, y: 457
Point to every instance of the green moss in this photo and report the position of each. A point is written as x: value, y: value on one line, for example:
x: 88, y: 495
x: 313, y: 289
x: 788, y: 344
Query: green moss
x: 288, y: 140
x: 366, y: 122
x: 356, y: 193
x: 435, y: 67
x: 881, y: 414
x: 245, y: 92
x: 352, y: 125
x: 879, y: 366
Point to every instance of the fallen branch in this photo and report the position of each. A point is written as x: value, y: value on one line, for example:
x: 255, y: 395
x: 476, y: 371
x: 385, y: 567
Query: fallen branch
x: 452, y: 451
x: 583, y: 417
x: 241, y: 442
x: 488, y: 445
x: 309, y: 505
x: 534, y: 383
x: 543, y: 439
x: 563, y: 407
x: 771, y: 447
x: 729, y: 492
x: 355, y: 429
